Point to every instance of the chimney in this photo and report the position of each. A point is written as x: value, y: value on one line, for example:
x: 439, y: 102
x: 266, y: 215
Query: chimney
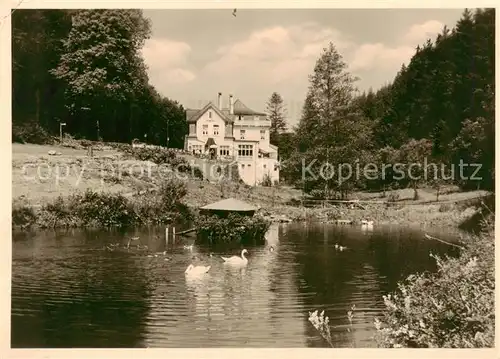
x: 219, y: 101
x: 231, y: 105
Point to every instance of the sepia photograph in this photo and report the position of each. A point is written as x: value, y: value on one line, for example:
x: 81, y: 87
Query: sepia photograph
x: 252, y: 178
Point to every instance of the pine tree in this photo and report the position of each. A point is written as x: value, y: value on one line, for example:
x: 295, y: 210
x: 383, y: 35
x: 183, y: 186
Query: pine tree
x: 276, y: 112
x: 330, y: 93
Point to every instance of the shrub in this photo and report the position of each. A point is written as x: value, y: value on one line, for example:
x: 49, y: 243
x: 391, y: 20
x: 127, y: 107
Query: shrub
x: 232, y: 173
x: 267, y: 182
x: 233, y: 229
x: 453, y: 308
x: 58, y: 214
x: 23, y: 216
x: 162, y: 156
x: 30, y: 133
x: 103, y: 209
x: 165, y: 205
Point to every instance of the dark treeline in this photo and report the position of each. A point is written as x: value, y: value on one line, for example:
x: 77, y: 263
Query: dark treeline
x: 440, y: 106
x: 84, y: 68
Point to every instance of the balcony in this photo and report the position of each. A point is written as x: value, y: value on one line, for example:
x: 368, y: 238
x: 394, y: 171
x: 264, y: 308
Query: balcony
x: 252, y: 123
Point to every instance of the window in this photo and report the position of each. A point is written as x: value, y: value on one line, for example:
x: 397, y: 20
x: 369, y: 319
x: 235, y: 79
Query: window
x: 242, y: 134
x: 216, y: 130
x: 264, y: 166
x: 205, y: 129
x: 209, y: 114
x: 242, y: 165
x: 195, y: 148
x: 262, y: 134
x: 245, y: 150
x: 239, y: 118
x: 224, y: 150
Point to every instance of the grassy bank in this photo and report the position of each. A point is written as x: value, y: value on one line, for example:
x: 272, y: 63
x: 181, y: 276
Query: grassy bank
x: 98, y: 209
x: 43, y: 181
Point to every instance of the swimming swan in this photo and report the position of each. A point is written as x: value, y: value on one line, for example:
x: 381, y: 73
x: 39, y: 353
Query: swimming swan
x: 364, y: 222
x: 235, y: 260
x: 198, y: 270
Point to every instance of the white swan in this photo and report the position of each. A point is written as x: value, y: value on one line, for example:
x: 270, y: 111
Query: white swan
x: 364, y: 222
x: 189, y: 248
x: 235, y: 260
x: 198, y: 270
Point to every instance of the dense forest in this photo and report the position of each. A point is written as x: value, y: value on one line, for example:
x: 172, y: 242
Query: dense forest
x: 440, y: 107
x: 84, y: 68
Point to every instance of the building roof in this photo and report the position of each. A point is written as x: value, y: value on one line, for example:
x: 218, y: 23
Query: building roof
x: 230, y: 204
x: 192, y: 115
x: 240, y: 109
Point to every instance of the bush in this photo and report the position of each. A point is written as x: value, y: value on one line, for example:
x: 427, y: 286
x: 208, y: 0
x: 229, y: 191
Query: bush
x: 23, y: 216
x: 165, y: 205
x: 453, y: 308
x: 30, y: 133
x: 59, y: 213
x: 95, y: 209
x: 103, y: 209
x: 162, y: 156
x: 234, y: 229
x: 267, y: 182
x: 232, y: 173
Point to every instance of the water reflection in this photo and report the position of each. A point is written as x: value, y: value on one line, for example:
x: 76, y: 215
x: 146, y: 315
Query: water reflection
x: 69, y: 292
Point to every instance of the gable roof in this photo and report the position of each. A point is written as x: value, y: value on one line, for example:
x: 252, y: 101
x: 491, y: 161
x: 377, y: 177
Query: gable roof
x: 241, y: 109
x: 230, y: 204
x: 193, y: 115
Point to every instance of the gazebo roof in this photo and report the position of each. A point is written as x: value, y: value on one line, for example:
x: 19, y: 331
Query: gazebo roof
x: 231, y: 205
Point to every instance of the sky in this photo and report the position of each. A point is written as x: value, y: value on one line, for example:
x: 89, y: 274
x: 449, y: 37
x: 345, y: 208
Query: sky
x: 194, y: 54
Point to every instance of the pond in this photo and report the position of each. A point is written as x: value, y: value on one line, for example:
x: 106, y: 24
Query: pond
x: 69, y: 291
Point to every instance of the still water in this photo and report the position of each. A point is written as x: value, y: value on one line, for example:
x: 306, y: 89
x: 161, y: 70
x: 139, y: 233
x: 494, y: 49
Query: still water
x: 68, y: 291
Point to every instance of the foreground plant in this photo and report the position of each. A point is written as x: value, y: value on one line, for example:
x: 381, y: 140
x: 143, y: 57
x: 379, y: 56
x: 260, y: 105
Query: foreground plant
x: 452, y: 308
x: 104, y: 210
x: 322, y: 324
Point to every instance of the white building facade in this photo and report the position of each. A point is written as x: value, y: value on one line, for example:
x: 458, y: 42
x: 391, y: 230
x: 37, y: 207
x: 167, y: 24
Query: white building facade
x: 237, y: 132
